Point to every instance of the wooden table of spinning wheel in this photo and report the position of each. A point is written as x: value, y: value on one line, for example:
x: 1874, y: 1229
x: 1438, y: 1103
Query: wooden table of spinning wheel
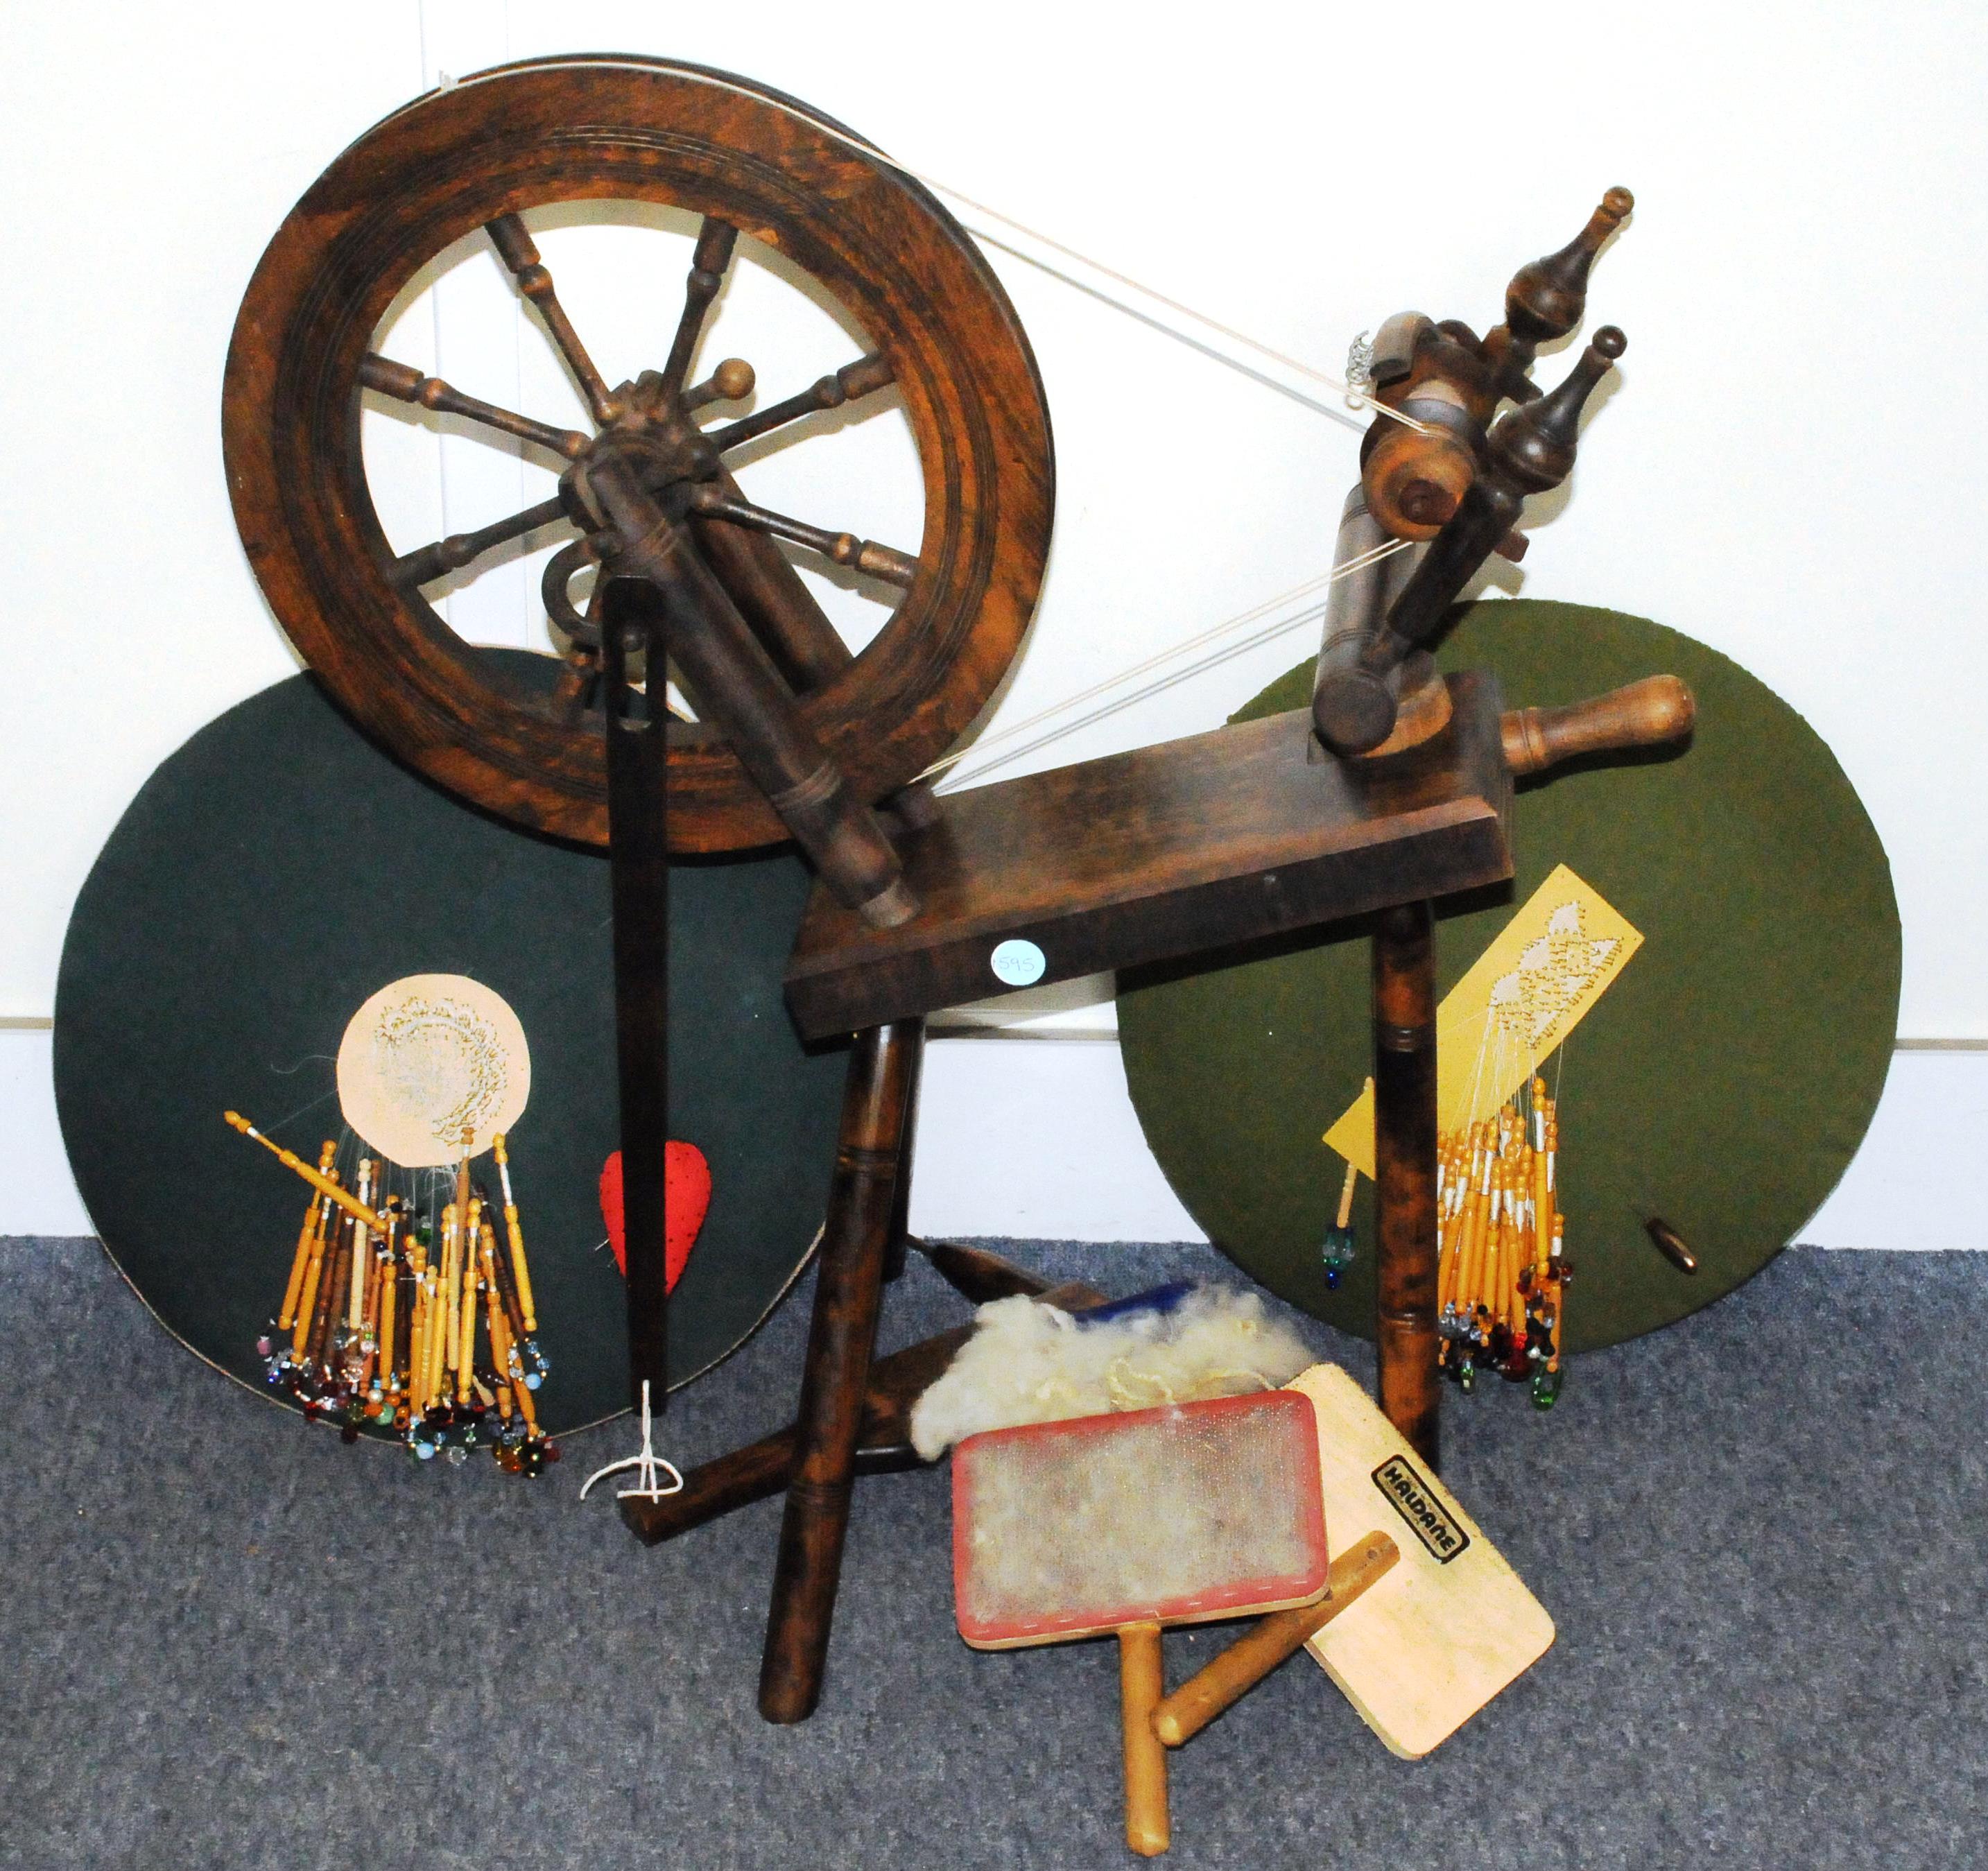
x: 1168, y: 852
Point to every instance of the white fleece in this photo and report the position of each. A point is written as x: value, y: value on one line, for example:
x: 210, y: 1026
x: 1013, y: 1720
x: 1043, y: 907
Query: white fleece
x: 1028, y: 1362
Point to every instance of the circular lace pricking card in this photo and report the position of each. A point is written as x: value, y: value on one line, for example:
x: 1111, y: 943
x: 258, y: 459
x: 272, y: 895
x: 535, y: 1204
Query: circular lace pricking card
x: 432, y: 1069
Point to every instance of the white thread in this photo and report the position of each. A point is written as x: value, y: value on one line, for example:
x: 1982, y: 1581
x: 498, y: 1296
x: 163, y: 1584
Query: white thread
x: 1290, y: 362
x: 1358, y: 563
x: 648, y: 1465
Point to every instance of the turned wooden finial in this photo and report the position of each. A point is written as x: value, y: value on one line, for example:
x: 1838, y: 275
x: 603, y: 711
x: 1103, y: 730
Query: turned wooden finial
x: 1534, y: 444
x: 1547, y: 297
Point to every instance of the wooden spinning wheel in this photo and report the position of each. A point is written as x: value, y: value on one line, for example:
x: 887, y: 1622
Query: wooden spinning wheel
x: 1392, y: 789
x: 487, y: 151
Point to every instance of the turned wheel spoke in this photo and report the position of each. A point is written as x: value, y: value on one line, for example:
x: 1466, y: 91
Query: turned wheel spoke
x: 732, y: 381
x: 716, y: 239
x: 415, y: 569
x: 514, y: 247
x: 408, y: 385
x: 864, y: 378
x: 863, y: 555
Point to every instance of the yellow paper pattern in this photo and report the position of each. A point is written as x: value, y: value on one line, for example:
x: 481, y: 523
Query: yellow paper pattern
x: 1523, y: 997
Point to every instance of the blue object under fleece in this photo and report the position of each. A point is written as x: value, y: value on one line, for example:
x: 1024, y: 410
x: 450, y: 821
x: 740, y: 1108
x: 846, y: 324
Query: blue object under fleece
x: 1159, y: 1301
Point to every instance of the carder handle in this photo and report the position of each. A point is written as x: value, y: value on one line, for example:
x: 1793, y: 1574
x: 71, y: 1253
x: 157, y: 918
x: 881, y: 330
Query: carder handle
x: 1645, y: 714
x: 1141, y: 1682
x: 1252, y: 1657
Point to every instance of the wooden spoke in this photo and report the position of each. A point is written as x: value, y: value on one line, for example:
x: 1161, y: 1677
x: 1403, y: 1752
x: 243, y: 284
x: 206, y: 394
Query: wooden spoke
x: 716, y: 239
x: 514, y: 246
x: 404, y: 382
x: 732, y: 381
x: 864, y: 556
x: 415, y: 569
x: 864, y: 378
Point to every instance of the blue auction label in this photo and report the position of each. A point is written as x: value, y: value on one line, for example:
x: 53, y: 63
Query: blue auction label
x: 1018, y: 963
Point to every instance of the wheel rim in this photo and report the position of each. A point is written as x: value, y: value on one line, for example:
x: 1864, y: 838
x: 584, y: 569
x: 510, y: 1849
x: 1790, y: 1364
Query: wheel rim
x: 529, y: 136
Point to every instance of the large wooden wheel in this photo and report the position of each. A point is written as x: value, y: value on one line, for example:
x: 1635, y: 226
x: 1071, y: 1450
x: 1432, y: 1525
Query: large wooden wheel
x: 484, y: 152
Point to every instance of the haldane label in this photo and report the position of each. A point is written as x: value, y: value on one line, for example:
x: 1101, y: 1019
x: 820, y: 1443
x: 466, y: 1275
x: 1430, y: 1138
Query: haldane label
x: 1412, y: 1498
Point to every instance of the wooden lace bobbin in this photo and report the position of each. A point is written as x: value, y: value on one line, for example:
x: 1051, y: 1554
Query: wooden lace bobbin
x: 514, y: 1316
x: 431, y: 1337
x: 385, y: 1370
x: 493, y: 1258
x: 435, y: 1337
x: 1559, y: 1230
x: 1446, y: 1233
x: 418, y: 1327
x: 361, y: 1258
x: 1560, y: 1292
x: 314, y: 1324
x: 1542, y: 1186
x: 493, y: 1310
x: 1486, y: 1283
x: 1448, y: 1178
x: 441, y: 1326
x: 339, y: 1262
x: 504, y: 1359
x: 368, y: 1349
x: 472, y: 1235
x: 447, y: 1325
x: 1470, y: 1284
x: 1463, y: 1173
x: 520, y: 1272
x: 405, y: 1288
x: 1469, y: 1213
x: 521, y: 1391
x: 286, y: 1318
x: 314, y: 1274
x: 1484, y: 1272
x: 1340, y: 1246
x: 1507, y: 1293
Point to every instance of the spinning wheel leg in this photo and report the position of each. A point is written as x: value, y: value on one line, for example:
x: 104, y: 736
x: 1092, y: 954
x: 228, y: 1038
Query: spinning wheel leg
x: 1404, y: 1171
x: 899, y: 1245
x: 875, y: 1106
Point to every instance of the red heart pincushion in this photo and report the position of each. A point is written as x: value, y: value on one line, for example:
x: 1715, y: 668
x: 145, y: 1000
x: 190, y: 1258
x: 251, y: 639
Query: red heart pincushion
x: 686, y: 1198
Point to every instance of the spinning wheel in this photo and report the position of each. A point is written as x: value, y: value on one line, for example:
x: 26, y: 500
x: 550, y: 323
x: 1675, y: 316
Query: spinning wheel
x: 485, y: 152
x: 1392, y: 791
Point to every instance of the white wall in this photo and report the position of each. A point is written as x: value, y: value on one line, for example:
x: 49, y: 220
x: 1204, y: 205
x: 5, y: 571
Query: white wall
x: 1788, y: 469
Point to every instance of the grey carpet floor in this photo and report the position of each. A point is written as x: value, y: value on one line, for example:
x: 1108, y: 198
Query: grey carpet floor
x: 226, y: 1640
